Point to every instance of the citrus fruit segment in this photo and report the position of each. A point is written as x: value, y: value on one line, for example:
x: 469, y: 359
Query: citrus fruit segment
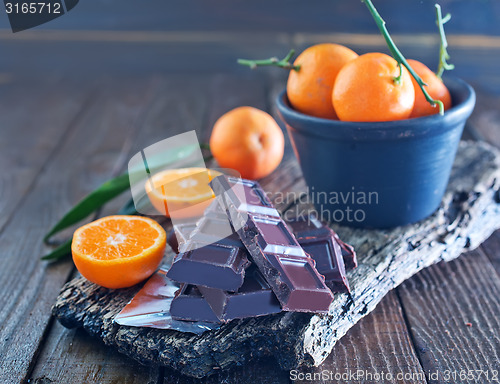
x: 249, y: 141
x: 435, y: 87
x: 183, y: 192
x: 118, y: 251
x: 365, y: 90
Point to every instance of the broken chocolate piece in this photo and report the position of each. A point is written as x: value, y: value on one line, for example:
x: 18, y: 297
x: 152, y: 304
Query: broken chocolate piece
x: 215, y: 265
x: 284, y: 264
x: 321, y: 243
x: 254, y: 298
x: 189, y: 304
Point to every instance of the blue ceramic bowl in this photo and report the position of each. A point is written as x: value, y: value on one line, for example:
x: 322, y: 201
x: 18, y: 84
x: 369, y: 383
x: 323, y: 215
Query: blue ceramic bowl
x: 383, y: 174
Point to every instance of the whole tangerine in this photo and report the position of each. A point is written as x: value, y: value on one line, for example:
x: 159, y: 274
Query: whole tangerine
x: 309, y: 89
x: 435, y: 87
x: 249, y: 141
x: 365, y: 90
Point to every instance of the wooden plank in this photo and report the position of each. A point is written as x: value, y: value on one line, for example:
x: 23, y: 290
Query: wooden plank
x: 378, y: 345
x: 95, y: 363
x: 260, y: 371
x: 84, y: 160
x: 26, y: 142
x: 216, y: 52
x: 453, y: 311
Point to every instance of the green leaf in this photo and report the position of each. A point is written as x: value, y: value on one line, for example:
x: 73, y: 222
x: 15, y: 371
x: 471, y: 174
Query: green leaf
x: 60, y: 252
x: 91, y: 203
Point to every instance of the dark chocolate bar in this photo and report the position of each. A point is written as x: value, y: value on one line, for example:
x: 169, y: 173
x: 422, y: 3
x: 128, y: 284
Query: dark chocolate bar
x: 215, y: 265
x: 254, y: 298
x: 320, y: 242
x: 189, y: 304
x: 284, y: 264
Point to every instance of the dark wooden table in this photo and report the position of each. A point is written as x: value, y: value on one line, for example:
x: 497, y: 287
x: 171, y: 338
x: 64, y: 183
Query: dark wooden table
x: 67, y: 127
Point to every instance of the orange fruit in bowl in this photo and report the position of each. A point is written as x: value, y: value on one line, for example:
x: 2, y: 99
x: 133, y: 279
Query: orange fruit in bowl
x: 181, y: 193
x: 249, y: 141
x: 365, y: 90
x: 435, y: 87
x: 118, y: 251
x: 309, y: 89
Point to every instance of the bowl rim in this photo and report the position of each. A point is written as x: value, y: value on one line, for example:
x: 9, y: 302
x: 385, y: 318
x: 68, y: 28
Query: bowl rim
x: 382, y: 130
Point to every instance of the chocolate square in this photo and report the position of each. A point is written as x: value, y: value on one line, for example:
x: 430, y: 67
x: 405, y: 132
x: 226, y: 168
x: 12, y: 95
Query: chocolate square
x: 215, y: 265
x: 273, y: 235
x: 189, y: 304
x: 254, y: 298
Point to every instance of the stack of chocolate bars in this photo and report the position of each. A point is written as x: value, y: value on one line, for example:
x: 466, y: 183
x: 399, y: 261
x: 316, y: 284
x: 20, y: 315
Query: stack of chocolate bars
x: 242, y: 260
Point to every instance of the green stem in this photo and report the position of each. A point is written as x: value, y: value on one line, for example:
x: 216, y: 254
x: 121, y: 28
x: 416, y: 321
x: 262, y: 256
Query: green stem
x: 205, y: 146
x: 61, y: 252
x: 443, y: 51
x: 398, y: 56
x: 273, y: 61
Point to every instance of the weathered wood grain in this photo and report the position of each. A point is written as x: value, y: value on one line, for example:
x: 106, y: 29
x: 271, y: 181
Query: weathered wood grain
x: 263, y: 370
x: 453, y: 312
x: 83, y: 160
x: 96, y: 363
x: 26, y: 143
x: 468, y: 215
x: 229, y: 91
x: 378, y: 344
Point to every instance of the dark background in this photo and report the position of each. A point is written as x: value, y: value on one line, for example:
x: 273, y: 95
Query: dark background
x: 417, y: 16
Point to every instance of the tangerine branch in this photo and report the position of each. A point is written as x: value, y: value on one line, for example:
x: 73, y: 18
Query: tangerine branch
x: 443, y: 51
x: 398, y: 56
x: 273, y: 61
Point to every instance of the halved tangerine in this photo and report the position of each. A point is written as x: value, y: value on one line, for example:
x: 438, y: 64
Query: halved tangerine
x: 118, y: 251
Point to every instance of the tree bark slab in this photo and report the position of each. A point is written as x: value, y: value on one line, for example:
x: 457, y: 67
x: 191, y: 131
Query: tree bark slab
x: 468, y: 215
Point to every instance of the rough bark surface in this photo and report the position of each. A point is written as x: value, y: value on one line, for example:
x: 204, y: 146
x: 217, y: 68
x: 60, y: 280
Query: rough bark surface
x: 468, y: 215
